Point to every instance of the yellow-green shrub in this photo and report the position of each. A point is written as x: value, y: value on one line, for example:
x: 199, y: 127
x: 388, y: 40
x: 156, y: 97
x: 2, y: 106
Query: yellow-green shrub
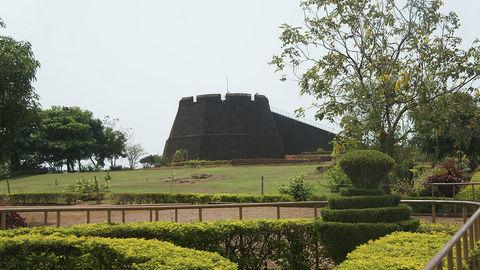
x: 399, y: 250
x: 291, y: 244
x: 69, y: 252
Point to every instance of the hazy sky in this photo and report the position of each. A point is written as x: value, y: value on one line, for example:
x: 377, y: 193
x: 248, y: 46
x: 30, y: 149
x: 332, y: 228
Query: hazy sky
x: 133, y: 60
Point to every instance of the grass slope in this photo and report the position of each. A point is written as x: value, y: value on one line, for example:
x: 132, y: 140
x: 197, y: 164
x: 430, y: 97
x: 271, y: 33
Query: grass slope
x: 226, y: 179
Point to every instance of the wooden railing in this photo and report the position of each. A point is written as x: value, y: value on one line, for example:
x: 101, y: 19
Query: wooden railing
x: 153, y: 209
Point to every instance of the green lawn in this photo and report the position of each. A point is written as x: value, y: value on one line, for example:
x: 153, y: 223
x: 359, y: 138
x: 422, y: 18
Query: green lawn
x: 224, y: 179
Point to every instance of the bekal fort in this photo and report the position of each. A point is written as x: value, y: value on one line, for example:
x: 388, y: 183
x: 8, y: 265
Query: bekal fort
x: 240, y: 126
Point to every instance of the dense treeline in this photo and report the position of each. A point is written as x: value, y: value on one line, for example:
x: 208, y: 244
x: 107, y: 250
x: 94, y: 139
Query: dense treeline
x: 63, y: 137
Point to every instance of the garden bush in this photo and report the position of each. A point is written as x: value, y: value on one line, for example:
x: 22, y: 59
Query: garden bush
x: 443, y: 191
x: 297, y: 188
x: 336, y: 178
x: 198, y: 198
x: 368, y: 215
x: 41, y: 198
x: 399, y: 250
x: 53, y: 252
x: 291, y: 244
x: 357, y: 202
x: 361, y: 192
x: 354, y: 234
x: 366, y: 168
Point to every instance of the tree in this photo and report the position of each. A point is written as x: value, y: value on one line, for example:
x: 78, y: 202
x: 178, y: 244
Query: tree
x: 448, y: 126
x: 67, y: 136
x: 18, y: 98
x: 151, y: 161
x: 370, y: 63
x: 133, y: 153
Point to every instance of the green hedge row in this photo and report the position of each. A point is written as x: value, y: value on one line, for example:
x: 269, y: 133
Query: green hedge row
x: 198, y: 198
x: 361, y: 192
x: 46, y: 198
x: 290, y: 244
x: 400, y: 250
x: 357, y: 202
x: 367, y: 215
x: 356, y: 234
x: 53, y: 252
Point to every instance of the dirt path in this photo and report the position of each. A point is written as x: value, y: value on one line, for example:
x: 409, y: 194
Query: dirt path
x: 186, y: 215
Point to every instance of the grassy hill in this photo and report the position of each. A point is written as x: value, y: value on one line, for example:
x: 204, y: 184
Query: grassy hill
x: 222, y: 179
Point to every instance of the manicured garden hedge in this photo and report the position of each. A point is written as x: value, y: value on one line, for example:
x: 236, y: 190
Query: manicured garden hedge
x: 355, y: 234
x: 399, y: 250
x: 357, y: 202
x: 291, y: 244
x: 42, y: 252
x: 198, y: 198
x: 45, y: 198
x: 361, y: 192
x: 368, y: 215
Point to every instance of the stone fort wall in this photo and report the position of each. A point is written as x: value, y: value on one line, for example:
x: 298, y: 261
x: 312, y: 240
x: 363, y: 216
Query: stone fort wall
x: 298, y: 137
x: 212, y: 128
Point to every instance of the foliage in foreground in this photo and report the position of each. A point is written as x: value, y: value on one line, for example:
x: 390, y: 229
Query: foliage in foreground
x: 291, y: 244
x: 69, y: 252
x: 400, y: 250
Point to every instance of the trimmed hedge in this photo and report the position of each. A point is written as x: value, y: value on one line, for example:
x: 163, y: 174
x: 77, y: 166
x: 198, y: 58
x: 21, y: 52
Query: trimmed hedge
x: 53, y: 252
x: 198, y: 198
x: 290, y: 244
x: 361, y: 192
x: 397, y: 251
x: 366, y: 168
x: 44, y: 198
x: 367, y: 215
x: 357, y: 202
x: 355, y: 234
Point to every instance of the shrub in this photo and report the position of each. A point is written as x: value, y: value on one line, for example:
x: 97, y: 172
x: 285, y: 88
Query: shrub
x: 361, y: 192
x: 41, y: 198
x: 196, y: 198
x: 14, y: 220
x: 355, y: 234
x: 400, y: 250
x: 51, y: 252
x: 290, y: 244
x: 357, y: 202
x: 367, y: 215
x: 297, y: 188
x: 366, y: 168
x: 90, y: 189
x: 449, y: 229
x: 180, y: 155
x: 336, y: 178
x: 443, y: 191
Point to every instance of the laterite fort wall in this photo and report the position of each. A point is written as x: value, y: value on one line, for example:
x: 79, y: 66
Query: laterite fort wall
x: 241, y: 126
x: 298, y: 137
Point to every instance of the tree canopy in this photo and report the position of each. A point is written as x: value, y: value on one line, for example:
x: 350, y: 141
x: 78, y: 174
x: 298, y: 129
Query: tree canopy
x: 18, y: 99
x: 370, y: 63
x: 449, y: 126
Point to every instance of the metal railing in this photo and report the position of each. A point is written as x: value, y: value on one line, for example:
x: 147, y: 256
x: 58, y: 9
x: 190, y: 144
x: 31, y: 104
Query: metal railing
x: 461, y: 243
x: 454, y: 187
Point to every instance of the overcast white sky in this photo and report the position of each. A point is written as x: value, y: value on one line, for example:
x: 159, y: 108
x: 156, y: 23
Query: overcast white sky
x: 133, y: 60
